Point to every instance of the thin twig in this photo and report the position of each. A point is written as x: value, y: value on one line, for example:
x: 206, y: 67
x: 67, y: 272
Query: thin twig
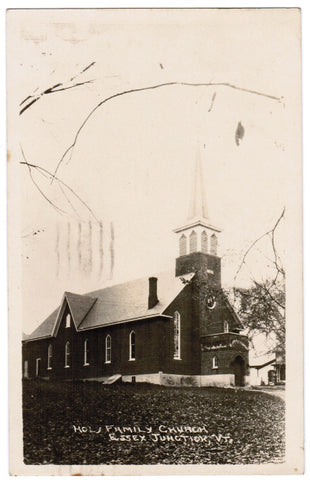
x: 270, y: 232
x: 41, y: 169
x: 37, y: 186
x: 154, y: 87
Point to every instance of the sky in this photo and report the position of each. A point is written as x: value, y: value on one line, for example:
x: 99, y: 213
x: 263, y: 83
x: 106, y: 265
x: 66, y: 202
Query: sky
x: 109, y: 214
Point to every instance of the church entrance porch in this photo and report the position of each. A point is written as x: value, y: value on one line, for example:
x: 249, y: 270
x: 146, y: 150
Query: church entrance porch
x: 224, y: 356
x: 238, y: 368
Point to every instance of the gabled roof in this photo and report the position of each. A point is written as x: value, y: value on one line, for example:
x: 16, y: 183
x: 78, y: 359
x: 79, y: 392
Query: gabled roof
x: 129, y: 301
x: 79, y: 306
x: 45, y: 329
x: 112, y: 305
x: 238, y: 323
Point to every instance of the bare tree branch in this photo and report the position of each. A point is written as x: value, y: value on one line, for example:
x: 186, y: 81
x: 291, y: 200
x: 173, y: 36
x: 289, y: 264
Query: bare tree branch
x: 154, y: 87
x: 270, y: 232
x: 54, y: 89
x: 37, y: 186
x: 44, y: 171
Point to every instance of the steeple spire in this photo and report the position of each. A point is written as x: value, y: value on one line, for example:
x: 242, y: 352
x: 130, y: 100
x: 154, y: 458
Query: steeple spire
x: 198, y: 238
x: 198, y: 206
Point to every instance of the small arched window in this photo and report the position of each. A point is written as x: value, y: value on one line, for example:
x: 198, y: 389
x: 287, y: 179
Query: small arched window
x: 132, y: 345
x: 215, y: 362
x: 108, y: 349
x: 68, y: 321
x: 226, y: 326
x: 177, y: 336
x: 67, y: 355
x: 204, y: 242
x: 213, y: 245
x: 193, y: 242
x: 86, y: 352
x: 50, y: 357
x: 182, y: 245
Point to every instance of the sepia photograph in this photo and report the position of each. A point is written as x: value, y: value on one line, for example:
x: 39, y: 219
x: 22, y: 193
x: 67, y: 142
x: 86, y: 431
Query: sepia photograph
x: 155, y: 241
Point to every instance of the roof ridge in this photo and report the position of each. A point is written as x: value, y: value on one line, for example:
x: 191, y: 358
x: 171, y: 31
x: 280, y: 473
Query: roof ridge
x: 66, y: 292
x: 158, y: 274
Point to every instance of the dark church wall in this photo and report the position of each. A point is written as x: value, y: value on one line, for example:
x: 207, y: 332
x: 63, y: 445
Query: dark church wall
x: 154, y: 345
x: 189, y: 364
x: 225, y: 359
x: 32, y: 351
x: 198, y: 261
x: 151, y: 348
x: 212, y: 320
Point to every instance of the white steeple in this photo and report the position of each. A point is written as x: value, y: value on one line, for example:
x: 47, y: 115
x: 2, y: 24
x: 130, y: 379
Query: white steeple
x: 197, y: 234
x: 198, y: 205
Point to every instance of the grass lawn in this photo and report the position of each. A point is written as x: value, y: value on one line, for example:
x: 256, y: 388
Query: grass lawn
x: 90, y: 423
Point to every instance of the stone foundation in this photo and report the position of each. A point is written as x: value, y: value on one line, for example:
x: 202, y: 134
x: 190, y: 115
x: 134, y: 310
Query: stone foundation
x: 147, y: 378
x: 174, y: 380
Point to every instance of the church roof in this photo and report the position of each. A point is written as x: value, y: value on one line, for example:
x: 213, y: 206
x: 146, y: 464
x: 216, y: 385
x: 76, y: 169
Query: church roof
x: 79, y: 306
x: 113, y: 305
x: 45, y: 329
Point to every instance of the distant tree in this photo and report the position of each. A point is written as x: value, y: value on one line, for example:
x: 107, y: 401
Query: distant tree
x: 261, y: 308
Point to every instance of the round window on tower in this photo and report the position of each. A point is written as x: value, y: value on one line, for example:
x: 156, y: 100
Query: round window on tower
x: 211, y: 302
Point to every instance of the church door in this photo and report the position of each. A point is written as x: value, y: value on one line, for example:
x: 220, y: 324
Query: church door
x: 239, y: 371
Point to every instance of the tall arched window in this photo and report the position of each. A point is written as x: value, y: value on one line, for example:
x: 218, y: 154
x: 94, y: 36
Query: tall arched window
x: 213, y: 245
x: 50, y: 357
x: 132, y: 345
x: 67, y: 355
x: 204, y: 242
x: 108, y: 349
x: 86, y: 352
x: 177, y: 336
x: 215, y: 362
x: 68, y: 321
x: 182, y: 245
x: 193, y: 242
x: 226, y: 326
x: 26, y: 374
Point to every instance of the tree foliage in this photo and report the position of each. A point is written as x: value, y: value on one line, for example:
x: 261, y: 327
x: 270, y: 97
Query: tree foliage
x: 262, y: 310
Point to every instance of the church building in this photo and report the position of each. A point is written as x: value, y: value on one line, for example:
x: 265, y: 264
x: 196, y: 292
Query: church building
x: 173, y: 328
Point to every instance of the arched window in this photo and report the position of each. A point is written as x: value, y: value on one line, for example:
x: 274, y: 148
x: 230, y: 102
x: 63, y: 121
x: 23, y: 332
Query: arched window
x: 86, y: 352
x: 38, y: 367
x: 182, y: 245
x: 108, y: 349
x: 204, y: 242
x: 50, y: 357
x: 177, y: 336
x: 226, y: 326
x: 67, y: 355
x: 215, y: 362
x: 26, y: 374
x: 68, y: 321
x: 132, y: 345
x: 193, y: 242
x: 213, y: 246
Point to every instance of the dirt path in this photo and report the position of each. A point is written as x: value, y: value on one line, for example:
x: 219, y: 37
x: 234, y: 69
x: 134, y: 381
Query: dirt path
x: 277, y: 392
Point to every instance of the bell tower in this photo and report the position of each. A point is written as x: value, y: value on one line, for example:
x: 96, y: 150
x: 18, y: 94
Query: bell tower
x: 198, y: 238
